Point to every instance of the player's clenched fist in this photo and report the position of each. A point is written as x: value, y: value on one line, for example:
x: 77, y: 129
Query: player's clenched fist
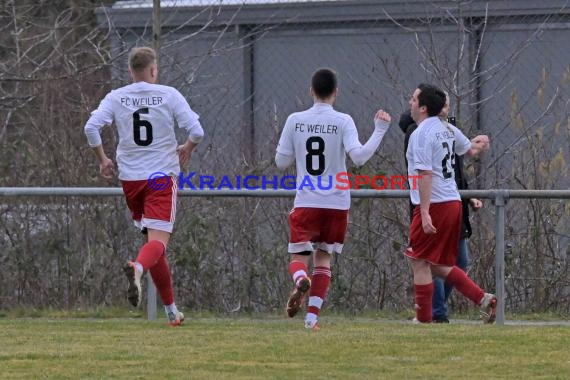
x: 382, y: 120
x: 481, y: 143
x: 383, y: 115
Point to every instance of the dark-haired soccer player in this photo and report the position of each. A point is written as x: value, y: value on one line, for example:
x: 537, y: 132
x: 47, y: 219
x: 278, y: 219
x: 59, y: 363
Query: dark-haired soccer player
x: 145, y: 114
x: 436, y: 222
x: 317, y: 140
x: 442, y: 291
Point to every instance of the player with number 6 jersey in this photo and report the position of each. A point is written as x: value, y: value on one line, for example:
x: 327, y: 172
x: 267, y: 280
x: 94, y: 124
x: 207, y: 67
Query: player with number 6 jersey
x: 145, y: 114
x: 317, y: 140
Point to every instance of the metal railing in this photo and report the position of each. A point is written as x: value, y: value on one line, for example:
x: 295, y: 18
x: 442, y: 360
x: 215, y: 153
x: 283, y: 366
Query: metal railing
x: 500, y: 197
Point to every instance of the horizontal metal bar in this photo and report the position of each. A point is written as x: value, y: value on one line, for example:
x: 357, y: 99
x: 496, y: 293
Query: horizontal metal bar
x: 280, y: 193
x: 509, y: 194
x: 60, y: 191
x: 318, y: 12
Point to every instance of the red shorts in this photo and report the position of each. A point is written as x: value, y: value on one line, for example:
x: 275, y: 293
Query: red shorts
x: 324, y: 227
x: 441, y: 247
x: 152, y: 207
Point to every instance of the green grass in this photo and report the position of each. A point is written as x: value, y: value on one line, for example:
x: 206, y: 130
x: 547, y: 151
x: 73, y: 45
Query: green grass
x: 277, y: 348
x: 103, y: 312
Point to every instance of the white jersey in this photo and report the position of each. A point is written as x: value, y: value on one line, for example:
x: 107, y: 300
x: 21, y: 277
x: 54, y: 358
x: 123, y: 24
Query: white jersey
x: 145, y: 115
x: 319, y: 138
x: 433, y: 146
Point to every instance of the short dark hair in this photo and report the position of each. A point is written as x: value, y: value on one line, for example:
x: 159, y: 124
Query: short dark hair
x: 324, y: 82
x: 432, y: 97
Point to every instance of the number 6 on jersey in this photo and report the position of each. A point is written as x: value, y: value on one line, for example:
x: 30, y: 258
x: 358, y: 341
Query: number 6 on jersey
x: 138, y: 124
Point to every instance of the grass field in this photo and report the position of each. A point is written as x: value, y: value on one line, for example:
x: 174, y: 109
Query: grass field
x: 277, y: 348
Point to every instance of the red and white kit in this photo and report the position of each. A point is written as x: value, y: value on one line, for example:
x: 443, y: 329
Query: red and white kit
x: 433, y: 146
x: 145, y: 115
x: 318, y: 139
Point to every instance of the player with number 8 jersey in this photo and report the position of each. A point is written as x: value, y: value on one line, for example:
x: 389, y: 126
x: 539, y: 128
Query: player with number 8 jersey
x: 145, y: 114
x: 317, y: 140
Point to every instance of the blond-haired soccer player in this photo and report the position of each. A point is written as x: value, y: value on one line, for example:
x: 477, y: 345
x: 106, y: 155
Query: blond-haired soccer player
x: 145, y: 114
x: 318, y: 140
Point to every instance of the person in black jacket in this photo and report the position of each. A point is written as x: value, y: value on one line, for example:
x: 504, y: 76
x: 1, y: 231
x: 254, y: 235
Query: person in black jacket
x: 442, y: 290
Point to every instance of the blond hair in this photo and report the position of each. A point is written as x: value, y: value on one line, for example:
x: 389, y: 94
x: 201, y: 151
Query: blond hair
x: 140, y: 58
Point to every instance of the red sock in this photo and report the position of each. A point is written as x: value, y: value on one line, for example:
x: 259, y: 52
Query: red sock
x: 319, y: 289
x: 162, y: 279
x: 297, y: 270
x: 424, y: 294
x: 150, y: 253
x: 460, y: 281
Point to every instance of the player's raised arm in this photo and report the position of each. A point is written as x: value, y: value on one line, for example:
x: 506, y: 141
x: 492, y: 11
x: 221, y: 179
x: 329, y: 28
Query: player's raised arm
x: 360, y: 154
x: 473, y: 147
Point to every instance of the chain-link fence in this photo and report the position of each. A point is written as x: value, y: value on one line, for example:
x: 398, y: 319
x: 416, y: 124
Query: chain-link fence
x: 244, y: 66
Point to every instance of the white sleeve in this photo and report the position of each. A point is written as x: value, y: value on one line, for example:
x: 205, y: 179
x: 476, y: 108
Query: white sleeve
x: 187, y: 119
x: 283, y: 161
x: 101, y: 117
x: 359, y: 153
x: 462, y: 142
x: 285, y: 149
x: 285, y: 146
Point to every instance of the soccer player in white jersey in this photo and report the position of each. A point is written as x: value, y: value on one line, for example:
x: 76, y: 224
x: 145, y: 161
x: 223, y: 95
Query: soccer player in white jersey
x: 436, y: 222
x: 145, y: 114
x: 317, y: 140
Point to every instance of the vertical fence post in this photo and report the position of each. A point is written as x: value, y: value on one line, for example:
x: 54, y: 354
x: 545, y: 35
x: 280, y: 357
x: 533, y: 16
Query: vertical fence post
x: 151, y: 289
x: 501, y: 198
x: 150, y: 298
